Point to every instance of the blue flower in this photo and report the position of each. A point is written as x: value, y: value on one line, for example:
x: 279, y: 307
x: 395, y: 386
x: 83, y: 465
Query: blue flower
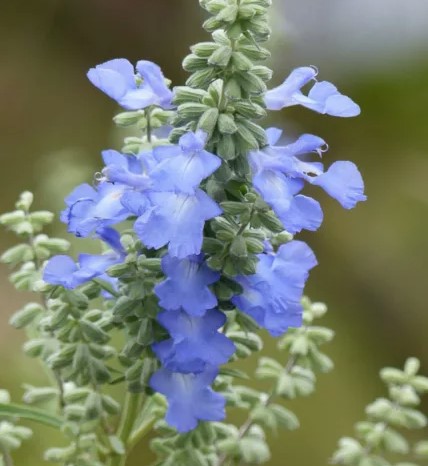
x: 128, y: 170
x: 195, y: 341
x: 190, y: 397
x: 279, y: 175
x: 89, y: 209
x: 132, y: 91
x: 62, y: 270
x: 272, y: 295
x: 186, y: 285
x: 322, y: 98
x: 182, y: 168
x: 343, y: 182
x: 178, y: 220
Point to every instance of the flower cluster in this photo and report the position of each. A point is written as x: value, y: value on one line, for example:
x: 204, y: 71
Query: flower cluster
x: 163, y: 190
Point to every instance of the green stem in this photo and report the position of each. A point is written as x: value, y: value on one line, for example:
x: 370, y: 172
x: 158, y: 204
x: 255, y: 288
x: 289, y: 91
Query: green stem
x: 130, y: 413
x: 149, y: 126
x: 246, y: 426
x: 6, y: 457
x: 141, y: 432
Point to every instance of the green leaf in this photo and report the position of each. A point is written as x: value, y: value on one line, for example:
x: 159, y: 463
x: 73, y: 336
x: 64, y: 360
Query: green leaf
x: 116, y: 444
x: 254, y: 450
x: 236, y: 373
x: 32, y: 414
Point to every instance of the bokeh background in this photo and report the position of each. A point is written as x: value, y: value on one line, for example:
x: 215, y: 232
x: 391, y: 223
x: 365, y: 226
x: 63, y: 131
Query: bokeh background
x: 373, y: 260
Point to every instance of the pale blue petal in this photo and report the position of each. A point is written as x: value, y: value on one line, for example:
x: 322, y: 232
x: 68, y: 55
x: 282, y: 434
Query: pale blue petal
x: 137, y: 99
x: 284, y: 95
x: 177, y: 219
x: 343, y: 182
x: 304, y: 213
x: 186, y: 285
x: 273, y: 135
x: 155, y: 80
x: 59, y: 271
x: 328, y: 100
x: 114, y: 77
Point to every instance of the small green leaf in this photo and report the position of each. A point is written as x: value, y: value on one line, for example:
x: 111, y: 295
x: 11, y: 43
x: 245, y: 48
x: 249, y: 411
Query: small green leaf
x: 32, y: 414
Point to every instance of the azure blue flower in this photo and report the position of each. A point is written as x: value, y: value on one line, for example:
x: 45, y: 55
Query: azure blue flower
x: 182, y: 167
x: 322, y: 98
x: 195, y: 341
x: 128, y: 169
x: 117, y: 78
x: 89, y: 209
x: 279, y: 175
x: 343, y: 182
x: 190, y: 397
x: 186, y: 285
x: 178, y: 220
x: 272, y: 295
x: 62, y: 270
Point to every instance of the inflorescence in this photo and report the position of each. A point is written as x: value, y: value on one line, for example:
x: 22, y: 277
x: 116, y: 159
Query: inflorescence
x: 213, y: 199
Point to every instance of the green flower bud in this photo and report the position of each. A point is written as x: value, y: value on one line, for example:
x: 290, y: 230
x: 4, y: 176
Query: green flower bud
x: 204, y: 49
x: 110, y: 405
x: 4, y: 397
x: 12, y: 218
x: 53, y: 245
x: 201, y: 78
x: 254, y: 450
x: 249, y: 109
x: 421, y: 449
x: 238, y: 247
x: 412, y: 366
x: 25, y: 200
x: 129, y: 118
x: 284, y: 417
x: 39, y: 394
x: 226, y: 124
x: 221, y: 56
x: 318, y: 309
x: 270, y: 221
x: 18, y: 253
x: 263, y: 72
x: 208, y: 121
x: 60, y: 455
x: 116, y: 444
x: 226, y: 147
x: 254, y: 53
x: 395, y: 442
x: 193, y: 63
x: 419, y: 383
x: 251, y: 83
x: 23, y: 433
x: 233, y: 89
x: 191, y: 110
x: 93, y: 406
x: 241, y: 62
x: 8, y: 441
x: 40, y: 218
x: 26, y: 315
x: 92, y: 332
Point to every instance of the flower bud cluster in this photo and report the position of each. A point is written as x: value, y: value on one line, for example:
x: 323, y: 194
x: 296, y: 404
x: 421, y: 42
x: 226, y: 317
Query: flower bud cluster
x: 378, y: 438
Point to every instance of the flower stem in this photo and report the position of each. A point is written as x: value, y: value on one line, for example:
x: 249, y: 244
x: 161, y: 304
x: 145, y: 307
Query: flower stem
x: 6, y: 457
x: 246, y: 426
x: 127, y: 421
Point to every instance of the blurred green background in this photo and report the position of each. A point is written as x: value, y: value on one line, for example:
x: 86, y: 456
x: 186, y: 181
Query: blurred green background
x: 373, y: 260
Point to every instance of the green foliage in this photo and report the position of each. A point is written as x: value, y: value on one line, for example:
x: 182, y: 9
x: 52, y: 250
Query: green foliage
x: 378, y: 442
